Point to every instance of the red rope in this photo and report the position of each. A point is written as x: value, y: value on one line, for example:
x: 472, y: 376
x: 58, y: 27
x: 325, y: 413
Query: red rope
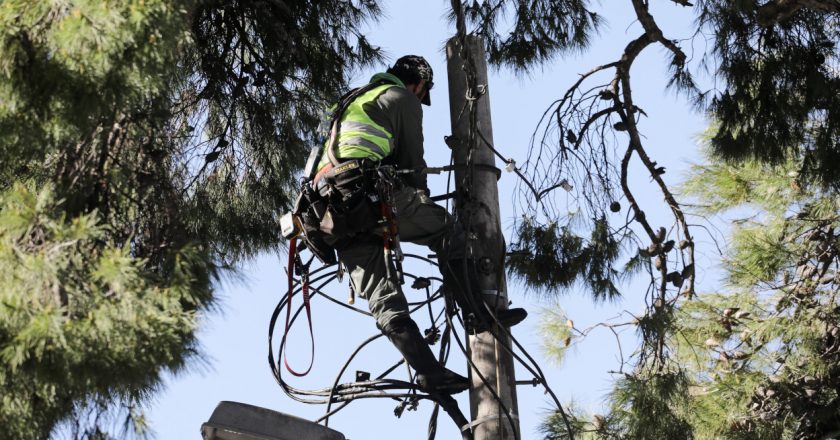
x: 305, y: 291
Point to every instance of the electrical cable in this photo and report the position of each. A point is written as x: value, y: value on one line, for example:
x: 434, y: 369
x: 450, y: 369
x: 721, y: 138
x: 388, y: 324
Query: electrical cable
x: 470, y: 299
x: 341, y: 372
x: 346, y: 393
x: 353, y: 391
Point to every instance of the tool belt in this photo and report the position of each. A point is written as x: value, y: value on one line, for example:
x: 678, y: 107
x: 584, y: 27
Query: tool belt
x: 352, y: 198
x: 339, y: 204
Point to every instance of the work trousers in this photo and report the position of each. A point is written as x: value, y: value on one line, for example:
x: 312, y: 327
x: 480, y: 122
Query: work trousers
x: 420, y: 221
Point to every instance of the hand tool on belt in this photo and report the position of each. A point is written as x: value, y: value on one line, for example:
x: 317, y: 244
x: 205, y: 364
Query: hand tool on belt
x: 385, y: 185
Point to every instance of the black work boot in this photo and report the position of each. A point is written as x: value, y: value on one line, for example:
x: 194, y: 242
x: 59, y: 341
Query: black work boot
x: 432, y: 377
x: 506, y: 317
x: 477, y: 316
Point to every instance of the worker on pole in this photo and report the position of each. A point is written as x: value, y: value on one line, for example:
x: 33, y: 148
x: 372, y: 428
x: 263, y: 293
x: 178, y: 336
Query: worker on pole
x: 377, y: 131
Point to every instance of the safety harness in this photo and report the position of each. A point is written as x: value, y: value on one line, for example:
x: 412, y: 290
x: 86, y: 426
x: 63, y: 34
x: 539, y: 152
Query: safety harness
x: 342, y: 199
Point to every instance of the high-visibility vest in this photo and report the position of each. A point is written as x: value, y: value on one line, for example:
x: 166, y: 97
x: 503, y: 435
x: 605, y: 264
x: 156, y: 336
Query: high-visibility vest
x: 360, y: 137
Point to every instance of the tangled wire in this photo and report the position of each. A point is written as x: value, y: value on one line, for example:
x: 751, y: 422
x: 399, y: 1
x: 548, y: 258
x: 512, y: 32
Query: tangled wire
x: 406, y: 391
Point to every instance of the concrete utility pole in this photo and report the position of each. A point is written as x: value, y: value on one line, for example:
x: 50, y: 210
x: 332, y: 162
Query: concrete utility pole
x: 479, y: 214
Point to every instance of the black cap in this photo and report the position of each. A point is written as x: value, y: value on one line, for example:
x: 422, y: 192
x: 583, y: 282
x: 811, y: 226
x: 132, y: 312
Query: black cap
x: 412, y: 69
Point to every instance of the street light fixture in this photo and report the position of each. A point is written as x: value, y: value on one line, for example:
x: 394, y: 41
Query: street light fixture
x: 240, y: 421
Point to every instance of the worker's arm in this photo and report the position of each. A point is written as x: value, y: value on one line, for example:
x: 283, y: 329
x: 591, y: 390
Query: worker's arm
x: 404, y: 115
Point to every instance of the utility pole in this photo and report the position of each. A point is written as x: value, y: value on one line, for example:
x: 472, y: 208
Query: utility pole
x: 477, y: 208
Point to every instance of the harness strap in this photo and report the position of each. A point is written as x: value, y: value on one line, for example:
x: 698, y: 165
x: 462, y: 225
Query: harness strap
x: 386, y: 238
x: 304, y: 274
x: 327, y: 168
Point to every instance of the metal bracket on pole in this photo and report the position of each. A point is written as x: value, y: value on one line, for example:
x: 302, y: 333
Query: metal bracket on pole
x: 494, y: 298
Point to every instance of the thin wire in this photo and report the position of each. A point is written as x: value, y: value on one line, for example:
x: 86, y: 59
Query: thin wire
x: 375, y: 386
x: 347, y: 392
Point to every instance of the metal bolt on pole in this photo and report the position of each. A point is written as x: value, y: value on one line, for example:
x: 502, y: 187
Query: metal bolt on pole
x: 477, y: 208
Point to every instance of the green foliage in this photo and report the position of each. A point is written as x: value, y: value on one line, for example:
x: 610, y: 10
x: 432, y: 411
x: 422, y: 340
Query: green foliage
x: 80, y: 319
x: 540, y: 30
x: 647, y: 405
x: 769, y: 350
x: 555, y: 326
x: 726, y: 185
x: 781, y: 89
x: 551, y: 257
x: 760, y: 357
x: 758, y: 361
x: 649, y: 408
x: 67, y: 67
x: 720, y: 340
x: 261, y: 73
x: 167, y: 138
x: 554, y: 427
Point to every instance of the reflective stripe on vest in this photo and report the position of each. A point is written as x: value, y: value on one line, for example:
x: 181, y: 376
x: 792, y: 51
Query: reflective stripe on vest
x: 360, y: 137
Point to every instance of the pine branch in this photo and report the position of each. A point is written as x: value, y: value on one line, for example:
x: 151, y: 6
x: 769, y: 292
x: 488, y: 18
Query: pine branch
x: 776, y: 11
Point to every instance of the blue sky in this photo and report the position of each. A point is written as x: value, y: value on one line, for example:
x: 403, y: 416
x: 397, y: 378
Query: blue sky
x: 234, y: 339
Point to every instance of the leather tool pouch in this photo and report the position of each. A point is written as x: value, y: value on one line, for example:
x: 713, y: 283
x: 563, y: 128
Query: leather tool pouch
x: 356, y: 214
x: 353, y: 206
x: 312, y: 208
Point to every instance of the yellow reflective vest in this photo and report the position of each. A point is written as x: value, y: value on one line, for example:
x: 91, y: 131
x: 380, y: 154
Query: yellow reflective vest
x: 359, y: 136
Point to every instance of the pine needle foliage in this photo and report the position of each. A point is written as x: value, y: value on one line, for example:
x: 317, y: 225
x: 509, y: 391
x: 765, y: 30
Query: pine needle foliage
x: 648, y: 406
x: 774, y: 66
x: 770, y: 348
x: 758, y: 359
x: 652, y: 407
x: 554, y: 427
x: 776, y: 89
x: 555, y: 326
x: 781, y: 84
x: 81, y: 322
x: 550, y: 257
x: 145, y: 147
x: 533, y: 31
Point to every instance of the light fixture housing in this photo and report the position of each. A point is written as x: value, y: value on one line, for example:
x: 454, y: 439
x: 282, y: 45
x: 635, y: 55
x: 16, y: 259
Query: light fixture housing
x: 240, y: 421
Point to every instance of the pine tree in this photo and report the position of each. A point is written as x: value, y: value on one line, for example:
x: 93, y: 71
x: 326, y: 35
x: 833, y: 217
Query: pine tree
x: 85, y: 325
x: 174, y: 130
x: 776, y: 104
x: 776, y: 100
x: 776, y: 88
x: 758, y: 359
x: 775, y: 63
x: 768, y: 345
x: 146, y: 147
